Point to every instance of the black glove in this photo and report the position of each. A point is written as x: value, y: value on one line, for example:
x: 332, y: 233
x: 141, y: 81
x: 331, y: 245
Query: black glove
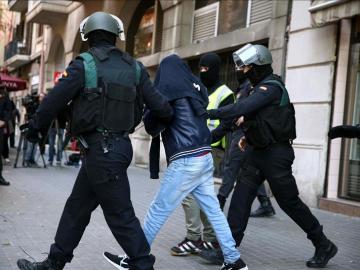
x: 345, y: 131
x: 30, y: 134
x: 211, y: 114
x: 153, y: 125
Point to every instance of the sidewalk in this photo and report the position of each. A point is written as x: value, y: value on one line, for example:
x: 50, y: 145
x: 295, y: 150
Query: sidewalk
x: 31, y: 207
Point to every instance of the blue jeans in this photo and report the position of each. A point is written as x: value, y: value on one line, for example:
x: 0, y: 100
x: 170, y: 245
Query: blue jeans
x: 190, y: 175
x: 30, y: 152
x: 52, y: 139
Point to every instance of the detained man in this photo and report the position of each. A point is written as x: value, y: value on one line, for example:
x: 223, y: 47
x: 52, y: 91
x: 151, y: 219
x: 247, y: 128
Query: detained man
x: 187, y: 145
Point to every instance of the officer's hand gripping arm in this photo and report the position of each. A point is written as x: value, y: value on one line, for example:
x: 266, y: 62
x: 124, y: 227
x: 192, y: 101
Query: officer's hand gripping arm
x: 258, y: 99
x: 154, y: 100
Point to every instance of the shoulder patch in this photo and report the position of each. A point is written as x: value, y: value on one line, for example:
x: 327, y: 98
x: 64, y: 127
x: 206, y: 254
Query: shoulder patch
x: 263, y: 88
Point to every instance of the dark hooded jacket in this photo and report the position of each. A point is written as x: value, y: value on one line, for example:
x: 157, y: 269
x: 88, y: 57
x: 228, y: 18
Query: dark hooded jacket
x: 188, y: 134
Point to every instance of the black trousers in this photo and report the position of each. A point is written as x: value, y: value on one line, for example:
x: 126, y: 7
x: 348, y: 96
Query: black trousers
x: 274, y: 164
x: 232, y: 169
x: 12, y: 139
x: 103, y: 181
x: 154, y: 157
x: 1, y: 148
x: 5, y: 150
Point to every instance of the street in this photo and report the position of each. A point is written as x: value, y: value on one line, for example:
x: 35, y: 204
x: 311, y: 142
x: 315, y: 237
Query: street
x: 31, y: 206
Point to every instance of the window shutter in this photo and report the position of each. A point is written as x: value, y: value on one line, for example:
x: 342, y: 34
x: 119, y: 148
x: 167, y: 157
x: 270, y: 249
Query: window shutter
x: 205, y: 22
x: 260, y: 10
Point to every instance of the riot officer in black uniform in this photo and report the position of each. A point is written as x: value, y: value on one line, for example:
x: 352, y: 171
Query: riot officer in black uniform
x: 107, y: 89
x: 269, y: 126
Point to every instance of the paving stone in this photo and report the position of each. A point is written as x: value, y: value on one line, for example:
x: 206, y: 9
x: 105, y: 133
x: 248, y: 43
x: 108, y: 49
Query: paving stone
x: 30, y: 210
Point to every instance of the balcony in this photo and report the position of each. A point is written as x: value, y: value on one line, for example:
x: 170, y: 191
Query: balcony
x: 18, y: 5
x: 16, y: 54
x: 50, y: 12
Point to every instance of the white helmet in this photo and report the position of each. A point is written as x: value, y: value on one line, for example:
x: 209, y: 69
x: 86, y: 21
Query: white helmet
x: 252, y: 54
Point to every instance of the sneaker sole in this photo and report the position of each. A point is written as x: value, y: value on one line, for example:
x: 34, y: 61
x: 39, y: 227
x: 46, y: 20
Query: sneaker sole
x: 114, y: 264
x: 184, y: 254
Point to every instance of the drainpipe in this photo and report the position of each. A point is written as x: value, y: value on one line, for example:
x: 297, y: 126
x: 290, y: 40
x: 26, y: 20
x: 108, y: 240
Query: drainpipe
x: 42, y: 65
x: 286, y: 40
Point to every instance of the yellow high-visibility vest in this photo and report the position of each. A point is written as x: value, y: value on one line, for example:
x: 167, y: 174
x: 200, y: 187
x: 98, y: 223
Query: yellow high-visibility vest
x: 220, y: 94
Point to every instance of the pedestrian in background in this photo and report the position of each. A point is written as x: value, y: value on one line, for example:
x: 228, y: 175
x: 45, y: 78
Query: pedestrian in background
x: 56, y: 137
x: 15, y: 116
x: 5, y: 114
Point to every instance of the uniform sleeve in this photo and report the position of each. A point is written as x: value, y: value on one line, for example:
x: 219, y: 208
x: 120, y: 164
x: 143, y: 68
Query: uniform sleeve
x: 262, y: 96
x: 72, y: 81
x: 153, y: 99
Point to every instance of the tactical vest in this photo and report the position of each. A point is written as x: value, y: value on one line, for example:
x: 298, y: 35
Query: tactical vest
x: 274, y: 123
x: 109, y: 101
x: 220, y: 94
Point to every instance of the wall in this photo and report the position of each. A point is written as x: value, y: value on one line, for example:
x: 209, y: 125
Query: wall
x: 310, y: 78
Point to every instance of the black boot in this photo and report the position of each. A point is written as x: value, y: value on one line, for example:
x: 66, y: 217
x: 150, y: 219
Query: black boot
x: 3, y: 182
x: 265, y: 209
x: 323, y: 253
x: 222, y: 201
x: 48, y: 264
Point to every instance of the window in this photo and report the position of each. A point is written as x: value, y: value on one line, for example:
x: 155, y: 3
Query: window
x: 203, y: 3
x: 40, y: 30
x: 259, y: 10
x: 205, y: 22
x: 350, y: 185
x: 144, y: 36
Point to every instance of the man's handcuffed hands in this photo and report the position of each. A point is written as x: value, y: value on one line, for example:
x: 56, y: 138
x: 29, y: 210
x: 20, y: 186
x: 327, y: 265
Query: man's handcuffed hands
x: 212, y: 114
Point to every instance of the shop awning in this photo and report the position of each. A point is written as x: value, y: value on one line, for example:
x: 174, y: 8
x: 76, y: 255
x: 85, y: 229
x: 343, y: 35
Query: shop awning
x: 328, y: 11
x: 12, y: 83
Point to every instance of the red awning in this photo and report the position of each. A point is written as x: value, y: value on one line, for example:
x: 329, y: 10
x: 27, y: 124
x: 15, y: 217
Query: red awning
x: 12, y: 83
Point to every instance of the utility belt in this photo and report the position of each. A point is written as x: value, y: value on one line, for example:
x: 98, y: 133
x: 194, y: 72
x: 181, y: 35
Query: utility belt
x: 282, y: 143
x: 88, y: 139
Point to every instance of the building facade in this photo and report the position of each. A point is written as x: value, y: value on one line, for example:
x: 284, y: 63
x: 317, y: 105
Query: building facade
x: 315, y: 48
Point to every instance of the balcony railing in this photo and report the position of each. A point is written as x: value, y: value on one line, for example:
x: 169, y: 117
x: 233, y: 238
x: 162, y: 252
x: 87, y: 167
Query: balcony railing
x: 16, y: 54
x: 49, y: 11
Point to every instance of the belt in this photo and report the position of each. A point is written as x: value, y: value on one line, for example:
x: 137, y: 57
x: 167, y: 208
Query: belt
x: 95, y: 137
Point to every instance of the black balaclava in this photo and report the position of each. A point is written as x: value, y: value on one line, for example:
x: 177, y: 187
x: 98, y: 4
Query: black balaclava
x: 257, y: 73
x: 101, y: 38
x: 212, y: 76
x: 240, y: 76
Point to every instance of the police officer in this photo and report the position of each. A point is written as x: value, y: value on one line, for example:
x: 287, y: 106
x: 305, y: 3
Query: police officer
x: 269, y: 125
x: 106, y: 87
x: 236, y: 158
